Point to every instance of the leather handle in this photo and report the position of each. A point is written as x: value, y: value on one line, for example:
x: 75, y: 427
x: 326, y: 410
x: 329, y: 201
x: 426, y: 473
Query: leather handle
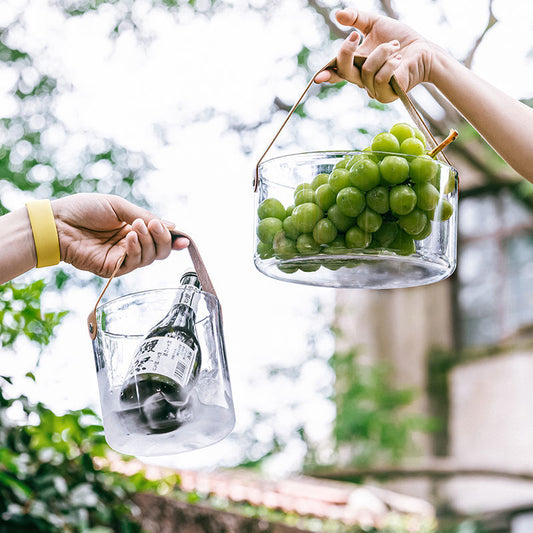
x: 402, y: 95
x: 197, y: 261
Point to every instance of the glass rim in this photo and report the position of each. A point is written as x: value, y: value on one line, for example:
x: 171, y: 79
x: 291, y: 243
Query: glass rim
x: 338, y: 153
x: 101, y: 308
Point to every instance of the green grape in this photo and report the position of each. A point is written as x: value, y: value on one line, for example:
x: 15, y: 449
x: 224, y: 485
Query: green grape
x: 289, y: 227
x: 402, y: 131
x: 370, y: 155
x: 288, y: 269
x: 264, y: 251
x: 309, y: 267
x: 447, y: 184
x: 353, y: 160
x: 443, y: 211
x: 267, y: 229
x: 412, y: 146
x: 369, y: 221
x: 284, y: 247
x: 288, y: 211
x: 403, y: 244
x: 271, y: 208
x: 343, y: 162
x: 423, y: 168
x: 427, y: 196
x: 414, y: 222
x: 420, y: 136
x: 306, y: 244
x: 337, y: 246
x: 325, y: 196
x: 341, y: 221
x: 305, y: 217
x: 426, y: 232
x: 378, y: 199
x: 394, y: 169
x: 324, y: 231
x: 385, y: 142
x: 386, y: 234
x: 364, y: 174
x: 357, y: 238
x: 304, y: 196
x: 301, y: 186
x: 319, y: 180
x: 402, y: 199
x: 351, y: 201
x: 339, y: 179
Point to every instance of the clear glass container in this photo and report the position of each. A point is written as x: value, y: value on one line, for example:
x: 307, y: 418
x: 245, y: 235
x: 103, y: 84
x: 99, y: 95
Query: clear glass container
x: 356, y: 258
x: 122, y: 324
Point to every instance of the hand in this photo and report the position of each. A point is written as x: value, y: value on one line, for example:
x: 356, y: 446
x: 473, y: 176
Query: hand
x: 391, y: 48
x: 96, y: 229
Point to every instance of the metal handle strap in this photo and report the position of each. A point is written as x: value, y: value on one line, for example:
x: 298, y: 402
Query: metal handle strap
x: 404, y: 98
x: 199, y: 267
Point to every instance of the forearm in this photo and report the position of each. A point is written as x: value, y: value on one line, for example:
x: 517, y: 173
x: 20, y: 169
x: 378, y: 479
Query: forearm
x: 500, y: 119
x: 17, y: 248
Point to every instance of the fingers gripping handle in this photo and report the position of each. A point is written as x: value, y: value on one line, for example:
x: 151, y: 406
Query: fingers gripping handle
x: 402, y: 95
x: 199, y: 267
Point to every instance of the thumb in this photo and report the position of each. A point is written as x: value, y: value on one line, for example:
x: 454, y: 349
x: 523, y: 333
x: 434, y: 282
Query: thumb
x: 358, y: 19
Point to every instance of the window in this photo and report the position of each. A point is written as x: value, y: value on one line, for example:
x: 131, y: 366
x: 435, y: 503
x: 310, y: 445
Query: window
x: 494, y: 268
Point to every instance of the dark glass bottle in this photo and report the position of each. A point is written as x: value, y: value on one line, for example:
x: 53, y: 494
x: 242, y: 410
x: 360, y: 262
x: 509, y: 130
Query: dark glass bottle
x: 155, y: 396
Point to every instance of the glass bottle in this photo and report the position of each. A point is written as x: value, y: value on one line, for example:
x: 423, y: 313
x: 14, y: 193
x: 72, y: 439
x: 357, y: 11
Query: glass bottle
x: 155, y: 396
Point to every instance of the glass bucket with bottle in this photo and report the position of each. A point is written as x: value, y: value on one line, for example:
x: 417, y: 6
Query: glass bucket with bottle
x: 373, y: 218
x: 161, y: 367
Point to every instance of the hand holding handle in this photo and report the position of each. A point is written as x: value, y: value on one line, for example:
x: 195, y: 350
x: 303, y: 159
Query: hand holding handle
x: 402, y: 95
x: 199, y: 266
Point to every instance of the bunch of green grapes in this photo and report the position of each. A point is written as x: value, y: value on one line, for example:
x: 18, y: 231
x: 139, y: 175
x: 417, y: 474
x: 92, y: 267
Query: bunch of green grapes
x: 383, y: 198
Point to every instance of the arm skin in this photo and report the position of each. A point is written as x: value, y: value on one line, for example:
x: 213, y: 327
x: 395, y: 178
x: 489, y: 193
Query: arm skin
x: 94, y: 231
x: 394, y: 48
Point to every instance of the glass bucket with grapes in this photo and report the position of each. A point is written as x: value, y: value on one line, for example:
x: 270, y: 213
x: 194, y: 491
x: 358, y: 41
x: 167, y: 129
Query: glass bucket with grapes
x: 383, y: 217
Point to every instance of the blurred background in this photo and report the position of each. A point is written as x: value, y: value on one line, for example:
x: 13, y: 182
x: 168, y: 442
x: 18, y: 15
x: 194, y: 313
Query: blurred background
x: 170, y: 103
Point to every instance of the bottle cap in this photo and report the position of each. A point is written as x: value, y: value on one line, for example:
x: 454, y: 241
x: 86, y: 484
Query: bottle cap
x: 190, y: 278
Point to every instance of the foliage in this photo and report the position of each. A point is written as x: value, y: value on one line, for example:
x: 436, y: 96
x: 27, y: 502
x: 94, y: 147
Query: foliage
x: 48, y: 479
x: 371, y: 415
x: 20, y: 313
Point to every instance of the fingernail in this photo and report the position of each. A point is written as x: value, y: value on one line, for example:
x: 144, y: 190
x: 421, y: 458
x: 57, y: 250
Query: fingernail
x: 168, y: 224
x: 141, y: 228
x: 157, y: 227
x: 353, y: 36
x: 398, y: 56
x: 135, y: 238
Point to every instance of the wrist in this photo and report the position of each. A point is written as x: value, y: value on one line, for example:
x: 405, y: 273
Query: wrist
x: 442, y: 64
x: 17, y: 245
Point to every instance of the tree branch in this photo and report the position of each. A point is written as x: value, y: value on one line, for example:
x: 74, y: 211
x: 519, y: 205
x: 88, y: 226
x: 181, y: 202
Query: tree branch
x: 467, y: 61
x: 324, y: 12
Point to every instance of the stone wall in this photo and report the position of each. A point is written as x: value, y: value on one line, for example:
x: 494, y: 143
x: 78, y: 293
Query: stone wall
x: 166, y: 515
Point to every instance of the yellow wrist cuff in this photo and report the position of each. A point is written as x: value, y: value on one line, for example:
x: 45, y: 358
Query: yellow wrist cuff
x: 44, y: 232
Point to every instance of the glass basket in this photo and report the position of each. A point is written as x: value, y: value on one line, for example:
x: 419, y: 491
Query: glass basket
x: 387, y: 258
x: 117, y: 328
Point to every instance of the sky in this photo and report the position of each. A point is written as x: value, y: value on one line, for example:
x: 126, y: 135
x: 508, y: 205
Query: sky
x: 148, y: 95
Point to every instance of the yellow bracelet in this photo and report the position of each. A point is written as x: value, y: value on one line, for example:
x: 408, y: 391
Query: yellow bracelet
x: 44, y: 232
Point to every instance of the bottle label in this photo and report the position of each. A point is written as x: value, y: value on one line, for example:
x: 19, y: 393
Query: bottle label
x: 189, y: 297
x: 166, y: 356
